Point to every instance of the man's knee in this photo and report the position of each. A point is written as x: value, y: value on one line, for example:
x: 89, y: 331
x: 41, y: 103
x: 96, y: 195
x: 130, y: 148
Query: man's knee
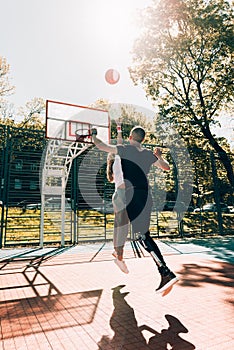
x: 143, y: 236
x: 145, y: 240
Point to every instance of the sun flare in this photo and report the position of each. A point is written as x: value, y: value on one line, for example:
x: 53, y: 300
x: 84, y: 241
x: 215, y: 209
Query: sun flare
x: 113, y: 24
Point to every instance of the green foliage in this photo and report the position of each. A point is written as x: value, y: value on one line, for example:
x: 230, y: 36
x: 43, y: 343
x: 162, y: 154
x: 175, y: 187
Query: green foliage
x: 184, y: 56
x: 184, y: 60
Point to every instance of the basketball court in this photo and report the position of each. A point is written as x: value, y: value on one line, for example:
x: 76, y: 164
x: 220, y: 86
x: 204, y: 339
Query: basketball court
x: 80, y: 300
x: 76, y: 297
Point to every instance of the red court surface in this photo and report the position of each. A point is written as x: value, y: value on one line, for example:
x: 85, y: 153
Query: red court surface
x: 81, y: 300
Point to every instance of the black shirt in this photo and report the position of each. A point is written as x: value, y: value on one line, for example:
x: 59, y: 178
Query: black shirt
x: 136, y: 163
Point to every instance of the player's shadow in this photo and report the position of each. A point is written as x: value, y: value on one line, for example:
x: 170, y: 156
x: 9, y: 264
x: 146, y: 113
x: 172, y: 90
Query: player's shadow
x: 169, y: 336
x: 128, y: 335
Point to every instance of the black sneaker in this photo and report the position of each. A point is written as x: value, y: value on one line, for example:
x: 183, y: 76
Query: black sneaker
x: 166, y: 282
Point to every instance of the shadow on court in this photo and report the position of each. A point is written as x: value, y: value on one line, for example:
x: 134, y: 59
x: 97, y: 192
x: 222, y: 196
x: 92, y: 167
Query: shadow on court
x: 196, y: 275
x: 221, y: 248
x: 41, y: 306
x: 127, y: 334
x: 217, y: 247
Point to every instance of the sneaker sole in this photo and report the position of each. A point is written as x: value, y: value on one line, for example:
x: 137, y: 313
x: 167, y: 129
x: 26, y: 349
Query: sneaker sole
x: 167, y: 286
x: 167, y: 291
x: 124, y: 271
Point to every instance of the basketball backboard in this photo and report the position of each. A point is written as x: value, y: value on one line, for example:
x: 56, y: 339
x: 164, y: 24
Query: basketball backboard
x: 64, y: 121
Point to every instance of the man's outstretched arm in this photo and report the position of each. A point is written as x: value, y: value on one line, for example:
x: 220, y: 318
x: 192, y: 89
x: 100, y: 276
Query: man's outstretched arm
x: 102, y: 145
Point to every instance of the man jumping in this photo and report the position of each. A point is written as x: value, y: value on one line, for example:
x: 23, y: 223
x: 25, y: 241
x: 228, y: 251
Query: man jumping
x: 136, y: 163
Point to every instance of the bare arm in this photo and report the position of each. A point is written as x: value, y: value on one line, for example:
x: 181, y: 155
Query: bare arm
x: 119, y: 133
x: 102, y: 145
x: 161, y: 162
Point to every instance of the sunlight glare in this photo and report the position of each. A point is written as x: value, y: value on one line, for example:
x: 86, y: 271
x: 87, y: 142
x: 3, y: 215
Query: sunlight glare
x: 113, y: 24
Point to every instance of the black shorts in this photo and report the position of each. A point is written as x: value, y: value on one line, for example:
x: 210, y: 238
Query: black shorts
x: 139, y: 207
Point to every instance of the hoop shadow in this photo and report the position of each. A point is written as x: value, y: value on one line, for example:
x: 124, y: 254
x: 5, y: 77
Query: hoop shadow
x: 40, y: 304
x: 128, y: 335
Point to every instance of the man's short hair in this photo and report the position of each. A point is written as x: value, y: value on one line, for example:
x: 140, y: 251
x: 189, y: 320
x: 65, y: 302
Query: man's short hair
x: 138, y: 133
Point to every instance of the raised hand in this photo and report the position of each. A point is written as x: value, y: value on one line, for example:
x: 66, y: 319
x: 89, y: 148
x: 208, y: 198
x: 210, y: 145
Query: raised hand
x: 157, y: 152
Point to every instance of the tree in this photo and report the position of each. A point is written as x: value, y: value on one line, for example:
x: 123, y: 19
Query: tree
x: 33, y: 114
x: 184, y: 60
x: 6, y: 108
x: 7, y: 112
x: 129, y: 115
x: 5, y: 87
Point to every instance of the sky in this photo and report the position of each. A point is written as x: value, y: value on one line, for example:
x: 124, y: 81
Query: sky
x: 60, y: 49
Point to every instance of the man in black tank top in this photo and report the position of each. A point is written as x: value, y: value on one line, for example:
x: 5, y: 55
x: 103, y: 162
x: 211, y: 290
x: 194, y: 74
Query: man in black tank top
x: 136, y: 163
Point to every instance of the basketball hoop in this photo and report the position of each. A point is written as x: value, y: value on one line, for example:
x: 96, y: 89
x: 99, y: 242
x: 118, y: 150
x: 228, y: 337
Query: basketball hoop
x: 83, y: 135
x: 69, y: 122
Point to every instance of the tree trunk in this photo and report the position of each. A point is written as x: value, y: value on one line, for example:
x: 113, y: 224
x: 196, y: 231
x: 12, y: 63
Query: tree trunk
x: 224, y: 158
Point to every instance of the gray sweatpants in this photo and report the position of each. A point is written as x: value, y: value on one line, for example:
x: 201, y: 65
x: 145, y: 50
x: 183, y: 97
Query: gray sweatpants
x: 121, y: 221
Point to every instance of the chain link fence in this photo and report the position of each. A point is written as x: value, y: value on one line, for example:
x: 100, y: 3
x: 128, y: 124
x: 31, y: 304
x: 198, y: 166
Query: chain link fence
x: 209, y: 211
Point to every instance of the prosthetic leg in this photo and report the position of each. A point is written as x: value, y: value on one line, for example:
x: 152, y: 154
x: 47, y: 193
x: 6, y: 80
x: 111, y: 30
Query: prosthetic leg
x: 149, y: 244
x: 168, y: 278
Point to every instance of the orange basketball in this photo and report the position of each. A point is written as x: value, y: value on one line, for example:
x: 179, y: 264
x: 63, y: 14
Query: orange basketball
x: 112, y: 76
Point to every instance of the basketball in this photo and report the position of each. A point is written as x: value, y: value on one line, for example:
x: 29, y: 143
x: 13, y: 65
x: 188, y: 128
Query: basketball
x: 112, y: 76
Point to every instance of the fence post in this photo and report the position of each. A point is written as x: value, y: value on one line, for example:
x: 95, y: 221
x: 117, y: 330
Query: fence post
x: 216, y: 192
x: 74, y: 199
x: 5, y: 183
x: 2, y: 223
x: 2, y: 189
